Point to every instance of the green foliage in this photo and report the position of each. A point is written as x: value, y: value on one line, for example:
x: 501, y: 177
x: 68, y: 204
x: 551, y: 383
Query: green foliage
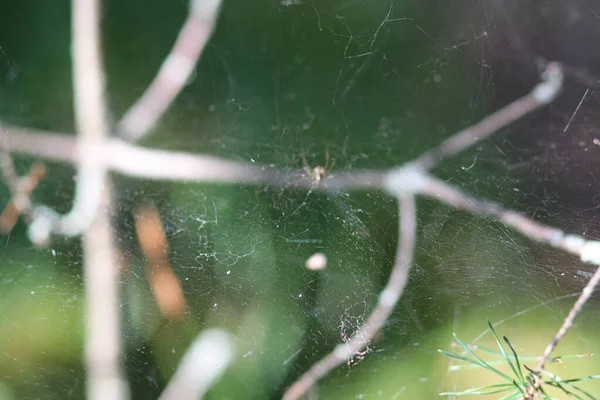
x: 526, y: 384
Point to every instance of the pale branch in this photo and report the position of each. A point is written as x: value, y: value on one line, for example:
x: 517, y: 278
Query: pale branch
x: 92, y: 127
x: 51, y: 146
x: 91, y: 212
x: 140, y: 162
x: 587, y: 250
x: 103, y: 348
x: 568, y: 322
x: 542, y: 94
x: 201, y: 366
x: 386, y: 303
x: 174, y: 72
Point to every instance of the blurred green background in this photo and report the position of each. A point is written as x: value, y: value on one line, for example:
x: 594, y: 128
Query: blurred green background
x: 351, y: 84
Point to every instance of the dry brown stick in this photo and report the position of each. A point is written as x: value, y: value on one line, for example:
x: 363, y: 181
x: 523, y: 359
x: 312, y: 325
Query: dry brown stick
x: 174, y: 72
x: 164, y: 283
x: 20, y: 203
x: 91, y: 211
x: 542, y: 94
x: 385, y: 305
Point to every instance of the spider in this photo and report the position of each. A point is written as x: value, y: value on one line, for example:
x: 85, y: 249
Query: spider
x: 319, y: 172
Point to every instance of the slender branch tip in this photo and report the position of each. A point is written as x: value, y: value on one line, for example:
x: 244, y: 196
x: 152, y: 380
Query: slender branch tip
x: 551, y: 85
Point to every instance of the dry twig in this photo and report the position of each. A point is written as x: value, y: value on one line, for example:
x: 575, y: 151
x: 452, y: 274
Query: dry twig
x: 175, y: 71
x: 91, y: 211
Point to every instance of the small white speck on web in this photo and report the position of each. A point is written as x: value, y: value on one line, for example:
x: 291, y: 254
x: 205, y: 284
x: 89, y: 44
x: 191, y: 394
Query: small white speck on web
x: 316, y: 262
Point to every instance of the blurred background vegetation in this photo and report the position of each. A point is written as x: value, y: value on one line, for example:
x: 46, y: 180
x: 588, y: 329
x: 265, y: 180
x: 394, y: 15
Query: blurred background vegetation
x: 351, y: 84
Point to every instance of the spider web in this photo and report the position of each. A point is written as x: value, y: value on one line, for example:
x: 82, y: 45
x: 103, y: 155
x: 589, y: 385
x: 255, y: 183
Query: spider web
x: 348, y: 85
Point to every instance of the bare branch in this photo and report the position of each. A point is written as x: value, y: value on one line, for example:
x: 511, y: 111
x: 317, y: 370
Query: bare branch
x: 542, y: 94
x: 91, y: 211
x: 453, y: 196
x: 568, y: 323
x: 52, y: 146
x: 174, y: 72
x: 385, y: 305
x: 140, y: 162
x: 201, y: 366
x: 587, y: 250
x: 105, y: 378
x: 91, y: 122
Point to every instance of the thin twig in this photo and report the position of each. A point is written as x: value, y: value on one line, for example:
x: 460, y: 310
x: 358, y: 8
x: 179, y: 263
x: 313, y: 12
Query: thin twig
x: 91, y: 122
x: 587, y: 250
x: 201, y: 366
x: 141, y: 162
x: 105, y: 378
x: 174, y: 72
x: 542, y: 94
x: 91, y: 211
x: 575, y: 310
x: 385, y: 305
